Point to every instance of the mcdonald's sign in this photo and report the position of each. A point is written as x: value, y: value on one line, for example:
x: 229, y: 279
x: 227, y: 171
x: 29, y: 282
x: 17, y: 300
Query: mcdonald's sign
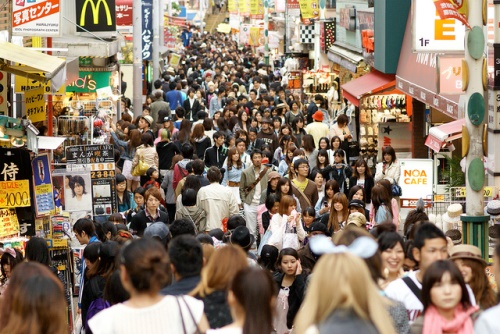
x: 95, y: 15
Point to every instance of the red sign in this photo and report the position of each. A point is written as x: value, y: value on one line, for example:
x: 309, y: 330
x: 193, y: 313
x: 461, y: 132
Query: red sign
x: 34, y: 13
x: 124, y: 12
x: 449, y: 10
x: 290, y: 4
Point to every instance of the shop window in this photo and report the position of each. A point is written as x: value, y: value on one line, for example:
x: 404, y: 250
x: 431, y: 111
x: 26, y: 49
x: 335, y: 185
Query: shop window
x: 330, y: 4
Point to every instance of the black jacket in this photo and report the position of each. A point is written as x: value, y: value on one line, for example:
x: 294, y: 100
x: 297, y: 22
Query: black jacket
x: 217, y: 309
x: 257, y: 145
x: 201, y: 146
x: 295, y: 296
x: 369, y: 183
x: 215, y: 156
x: 140, y: 221
x: 166, y: 152
x: 311, y: 109
x: 194, y: 111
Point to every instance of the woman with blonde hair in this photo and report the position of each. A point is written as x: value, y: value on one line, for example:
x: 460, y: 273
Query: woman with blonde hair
x: 357, y: 307
x: 215, y: 280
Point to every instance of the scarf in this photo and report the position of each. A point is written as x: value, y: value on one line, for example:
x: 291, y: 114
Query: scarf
x: 434, y: 323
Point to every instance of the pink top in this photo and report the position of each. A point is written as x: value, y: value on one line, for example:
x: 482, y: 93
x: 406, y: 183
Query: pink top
x: 395, y: 213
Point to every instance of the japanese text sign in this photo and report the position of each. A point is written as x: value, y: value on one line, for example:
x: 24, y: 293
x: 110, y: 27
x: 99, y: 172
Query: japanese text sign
x: 147, y: 29
x: 35, y: 105
x: 450, y: 75
x: 309, y: 9
x: 89, y: 154
x: 124, y: 12
x: 15, y: 193
x: 9, y: 225
x: 256, y: 9
x: 36, y: 18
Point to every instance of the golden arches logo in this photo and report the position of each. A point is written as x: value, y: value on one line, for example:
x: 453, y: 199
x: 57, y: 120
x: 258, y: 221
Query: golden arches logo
x: 95, y: 11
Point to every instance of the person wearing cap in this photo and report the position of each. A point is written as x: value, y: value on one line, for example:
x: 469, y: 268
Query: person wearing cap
x: 313, y: 107
x: 253, y: 187
x: 307, y: 258
x: 357, y: 218
x: 357, y: 205
x: 267, y: 134
x: 145, y: 124
x: 317, y: 129
x: 472, y: 266
x: 488, y: 323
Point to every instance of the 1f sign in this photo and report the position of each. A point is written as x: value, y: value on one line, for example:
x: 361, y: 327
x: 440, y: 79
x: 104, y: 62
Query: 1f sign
x: 433, y: 34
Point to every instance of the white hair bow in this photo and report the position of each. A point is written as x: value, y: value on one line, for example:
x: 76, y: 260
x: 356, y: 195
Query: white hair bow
x: 364, y: 247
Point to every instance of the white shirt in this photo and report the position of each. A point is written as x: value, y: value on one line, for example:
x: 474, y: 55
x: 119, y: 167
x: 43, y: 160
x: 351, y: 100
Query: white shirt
x: 488, y: 323
x: 226, y: 330
x: 399, y: 290
x: 163, y: 317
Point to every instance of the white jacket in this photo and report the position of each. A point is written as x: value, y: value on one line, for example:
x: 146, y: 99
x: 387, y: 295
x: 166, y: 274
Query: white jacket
x: 278, y: 228
x: 392, y: 172
x: 218, y: 202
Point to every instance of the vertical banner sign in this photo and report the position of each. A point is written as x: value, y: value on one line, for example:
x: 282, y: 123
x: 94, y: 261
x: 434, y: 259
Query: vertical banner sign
x: 329, y: 35
x: 36, y: 18
x: 35, y: 105
x: 255, y: 33
x: 450, y: 75
x: 95, y: 15
x: 244, y: 34
x: 244, y: 6
x: 42, y: 180
x: 232, y: 6
x: 147, y: 29
x: 257, y: 9
x: 3, y: 93
x: 99, y: 160
x: 124, y: 12
x: 309, y: 9
x: 170, y: 38
x: 416, y: 180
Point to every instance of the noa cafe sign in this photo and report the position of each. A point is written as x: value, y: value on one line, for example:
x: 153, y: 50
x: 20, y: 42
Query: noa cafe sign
x: 416, y: 178
x: 89, y: 82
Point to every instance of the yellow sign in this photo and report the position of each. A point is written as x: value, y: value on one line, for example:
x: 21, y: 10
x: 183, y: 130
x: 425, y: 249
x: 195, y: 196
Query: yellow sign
x: 9, y: 225
x: 232, y: 6
x: 487, y: 192
x: 23, y: 84
x: 15, y: 194
x: 256, y: 9
x: 95, y: 11
x: 255, y: 36
x: 244, y: 7
x: 309, y: 9
x: 35, y: 105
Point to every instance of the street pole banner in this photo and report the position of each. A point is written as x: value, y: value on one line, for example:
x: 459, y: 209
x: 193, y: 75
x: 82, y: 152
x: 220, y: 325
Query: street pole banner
x: 36, y: 18
x: 147, y: 29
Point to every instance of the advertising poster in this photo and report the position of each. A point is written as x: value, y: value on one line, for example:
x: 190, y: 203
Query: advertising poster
x: 36, y: 18
x: 232, y: 6
x: 9, y: 225
x: 244, y: 8
x: 416, y: 181
x: 309, y: 9
x: 44, y: 192
x: 256, y: 9
x: 95, y: 15
x: 77, y: 191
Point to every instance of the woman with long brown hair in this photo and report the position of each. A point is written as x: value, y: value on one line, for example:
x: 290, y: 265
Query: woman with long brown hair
x: 184, y: 133
x: 34, y: 302
x: 129, y: 147
x: 232, y: 176
x: 362, y: 176
x: 200, y: 140
x: 215, y: 280
x: 147, y: 152
x: 339, y: 211
x: 381, y: 206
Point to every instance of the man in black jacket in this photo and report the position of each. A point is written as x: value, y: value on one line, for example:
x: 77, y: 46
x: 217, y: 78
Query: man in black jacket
x: 192, y: 106
x: 215, y: 155
x: 313, y: 107
x: 254, y: 142
x: 151, y: 214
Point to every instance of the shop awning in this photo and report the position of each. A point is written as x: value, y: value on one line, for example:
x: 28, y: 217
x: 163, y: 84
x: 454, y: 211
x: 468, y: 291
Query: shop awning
x: 417, y: 76
x: 344, y: 57
x: 440, y: 135
x: 370, y: 83
x: 26, y: 62
x: 49, y: 143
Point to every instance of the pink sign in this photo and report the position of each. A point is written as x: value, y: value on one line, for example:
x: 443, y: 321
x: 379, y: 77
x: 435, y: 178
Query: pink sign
x: 450, y: 75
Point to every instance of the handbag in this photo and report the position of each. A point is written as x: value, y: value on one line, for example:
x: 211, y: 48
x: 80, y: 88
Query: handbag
x: 141, y: 168
x: 290, y: 238
x: 264, y: 240
x: 99, y: 210
x: 396, y: 190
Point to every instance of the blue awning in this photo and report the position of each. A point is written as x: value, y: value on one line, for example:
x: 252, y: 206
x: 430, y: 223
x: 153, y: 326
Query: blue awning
x: 191, y: 16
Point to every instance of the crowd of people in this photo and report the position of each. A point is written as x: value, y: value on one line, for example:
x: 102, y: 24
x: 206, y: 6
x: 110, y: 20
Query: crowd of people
x: 241, y: 209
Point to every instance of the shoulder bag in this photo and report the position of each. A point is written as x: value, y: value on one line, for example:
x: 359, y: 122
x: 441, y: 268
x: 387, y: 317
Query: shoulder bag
x: 254, y: 183
x: 141, y: 168
x: 197, y: 331
x: 290, y: 238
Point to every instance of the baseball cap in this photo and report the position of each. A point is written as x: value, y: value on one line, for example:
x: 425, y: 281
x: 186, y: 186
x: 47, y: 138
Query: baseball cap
x: 159, y: 231
x: 357, y: 203
x: 318, y: 227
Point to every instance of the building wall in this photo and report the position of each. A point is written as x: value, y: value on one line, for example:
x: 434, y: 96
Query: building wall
x: 420, y: 151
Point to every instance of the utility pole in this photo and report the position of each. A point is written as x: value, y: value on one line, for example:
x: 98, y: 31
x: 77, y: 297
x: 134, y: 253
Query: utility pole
x: 156, y: 40
x: 137, y: 50
x: 266, y: 32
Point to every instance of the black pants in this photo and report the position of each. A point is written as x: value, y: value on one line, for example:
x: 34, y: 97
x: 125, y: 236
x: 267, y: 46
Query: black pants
x: 171, y: 212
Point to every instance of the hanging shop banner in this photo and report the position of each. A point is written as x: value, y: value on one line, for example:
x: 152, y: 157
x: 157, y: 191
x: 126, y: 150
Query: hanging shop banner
x: 234, y: 21
x: 175, y: 60
x: 95, y: 15
x: 416, y: 180
x: 309, y: 9
x: 244, y: 34
x: 170, y: 36
x: 232, y: 6
x: 256, y: 36
x: 124, y: 12
x: 88, y: 82
x: 9, y: 224
x: 279, y: 6
x: 257, y: 9
x: 329, y: 34
x: 4, y: 106
x: 449, y: 71
x: 244, y: 7
x: 147, y: 29
x: 44, y: 192
x: 431, y: 33
x: 35, y: 105
x: 36, y: 18
x: 89, y: 157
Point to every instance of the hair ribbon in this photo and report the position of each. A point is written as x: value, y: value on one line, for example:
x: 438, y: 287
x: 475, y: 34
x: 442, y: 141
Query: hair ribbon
x: 363, y: 247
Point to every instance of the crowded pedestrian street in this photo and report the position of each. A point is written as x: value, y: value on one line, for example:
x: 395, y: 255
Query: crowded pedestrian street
x: 249, y: 167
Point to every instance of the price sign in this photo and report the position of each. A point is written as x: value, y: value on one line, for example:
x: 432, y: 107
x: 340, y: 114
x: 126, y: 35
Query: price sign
x: 15, y: 194
x: 461, y: 192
